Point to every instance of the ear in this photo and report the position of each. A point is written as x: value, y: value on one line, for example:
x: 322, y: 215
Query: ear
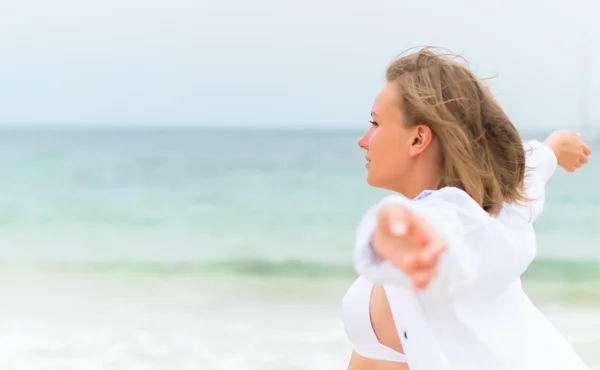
x: 421, y: 138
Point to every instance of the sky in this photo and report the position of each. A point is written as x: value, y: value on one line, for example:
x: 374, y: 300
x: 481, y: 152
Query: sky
x: 249, y: 63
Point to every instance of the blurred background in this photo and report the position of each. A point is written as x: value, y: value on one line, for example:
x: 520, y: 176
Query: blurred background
x: 181, y: 180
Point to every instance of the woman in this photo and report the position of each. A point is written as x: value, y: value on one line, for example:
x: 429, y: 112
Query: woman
x: 448, y: 250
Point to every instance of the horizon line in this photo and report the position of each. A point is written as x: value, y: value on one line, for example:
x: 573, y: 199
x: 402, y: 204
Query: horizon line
x: 307, y: 127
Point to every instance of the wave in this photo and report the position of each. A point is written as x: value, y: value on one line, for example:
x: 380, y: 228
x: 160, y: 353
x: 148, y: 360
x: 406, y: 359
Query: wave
x: 539, y: 270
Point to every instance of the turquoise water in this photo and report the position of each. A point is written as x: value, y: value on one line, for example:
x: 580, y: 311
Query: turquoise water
x: 191, y: 247
x: 154, y: 195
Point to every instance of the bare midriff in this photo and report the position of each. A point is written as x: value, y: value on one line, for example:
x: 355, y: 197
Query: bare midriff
x: 385, y: 331
x: 357, y: 362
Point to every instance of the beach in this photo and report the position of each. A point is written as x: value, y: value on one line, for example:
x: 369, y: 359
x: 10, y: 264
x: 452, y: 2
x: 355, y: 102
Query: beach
x: 171, y: 248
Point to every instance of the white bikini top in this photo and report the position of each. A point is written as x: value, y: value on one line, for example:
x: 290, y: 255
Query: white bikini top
x: 357, y: 323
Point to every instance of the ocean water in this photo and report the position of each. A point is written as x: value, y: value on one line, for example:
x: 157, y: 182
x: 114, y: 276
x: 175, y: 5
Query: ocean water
x: 184, y: 249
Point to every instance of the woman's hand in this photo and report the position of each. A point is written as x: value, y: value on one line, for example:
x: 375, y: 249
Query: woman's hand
x: 408, y: 241
x: 571, y: 152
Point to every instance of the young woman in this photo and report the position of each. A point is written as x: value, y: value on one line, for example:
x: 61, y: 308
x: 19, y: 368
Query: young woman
x: 440, y: 262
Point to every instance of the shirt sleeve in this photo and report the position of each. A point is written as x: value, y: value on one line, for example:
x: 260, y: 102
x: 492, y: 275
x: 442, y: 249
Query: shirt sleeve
x: 484, y: 254
x: 541, y: 163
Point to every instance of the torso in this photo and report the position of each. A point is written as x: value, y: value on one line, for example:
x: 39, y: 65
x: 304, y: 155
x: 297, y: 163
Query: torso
x: 368, y: 320
x: 357, y: 362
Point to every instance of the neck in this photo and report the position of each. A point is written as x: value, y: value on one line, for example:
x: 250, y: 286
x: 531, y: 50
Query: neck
x: 422, y: 177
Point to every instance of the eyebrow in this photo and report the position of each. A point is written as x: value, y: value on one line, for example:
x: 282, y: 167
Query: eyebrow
x: 373, y: 114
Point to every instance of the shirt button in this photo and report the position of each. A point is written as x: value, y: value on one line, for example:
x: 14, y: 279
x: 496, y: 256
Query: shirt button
x: 405, y: 336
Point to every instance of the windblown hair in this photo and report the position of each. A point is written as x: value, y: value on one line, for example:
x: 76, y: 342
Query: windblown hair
x: 481, y: 150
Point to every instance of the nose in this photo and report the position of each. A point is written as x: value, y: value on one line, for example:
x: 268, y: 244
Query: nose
x: 363, y: 142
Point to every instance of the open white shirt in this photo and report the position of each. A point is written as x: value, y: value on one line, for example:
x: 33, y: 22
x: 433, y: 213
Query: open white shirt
x: 475, y: 314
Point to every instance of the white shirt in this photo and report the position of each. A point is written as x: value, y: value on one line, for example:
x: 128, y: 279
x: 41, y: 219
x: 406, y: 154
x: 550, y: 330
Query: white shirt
x: 475, y: 314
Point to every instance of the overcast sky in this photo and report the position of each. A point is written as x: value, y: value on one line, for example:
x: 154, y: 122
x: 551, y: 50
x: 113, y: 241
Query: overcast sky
x: 280, y: 62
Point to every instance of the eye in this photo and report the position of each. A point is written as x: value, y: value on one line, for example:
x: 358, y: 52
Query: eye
x: 374, y: 123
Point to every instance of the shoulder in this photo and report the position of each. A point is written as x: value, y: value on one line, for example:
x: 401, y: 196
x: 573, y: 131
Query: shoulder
x: 451, y: 198
x: 445, y: 208
x: 441, y: 199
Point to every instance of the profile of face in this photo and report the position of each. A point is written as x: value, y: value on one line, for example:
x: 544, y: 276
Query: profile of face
x: 394, y: 150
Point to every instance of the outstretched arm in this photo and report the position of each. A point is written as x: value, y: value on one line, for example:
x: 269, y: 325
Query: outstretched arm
x: 470, y: 256
x: 404, y: 238
x: 563, y: 148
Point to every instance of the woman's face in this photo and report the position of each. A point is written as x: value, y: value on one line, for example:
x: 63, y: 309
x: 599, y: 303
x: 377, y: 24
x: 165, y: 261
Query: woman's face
x: 387, y: 140
x: 393, y: 147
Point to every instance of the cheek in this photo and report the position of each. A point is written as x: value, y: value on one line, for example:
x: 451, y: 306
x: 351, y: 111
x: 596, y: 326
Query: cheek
x: 395, y: 163
x: 382, y: 145
x: 390, y: 155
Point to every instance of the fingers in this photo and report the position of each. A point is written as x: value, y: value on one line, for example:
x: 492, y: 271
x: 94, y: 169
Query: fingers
x: 575, y: 153
x: 392, y: 220
x: 421, y: 265
x: 422, y: 231
x: 401, y: 223
x: 392, y: 239
x: 423, y: 276
x: 426, y: 257
x: 422, y: 279
x: 409, y: 242
x: 430, y: 255
x: 425, y: 268
x: 583, y: 158
x: 571, y: 168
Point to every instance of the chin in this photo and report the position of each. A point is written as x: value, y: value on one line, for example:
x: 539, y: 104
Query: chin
x: 380, y: 183
x: 373, y: 182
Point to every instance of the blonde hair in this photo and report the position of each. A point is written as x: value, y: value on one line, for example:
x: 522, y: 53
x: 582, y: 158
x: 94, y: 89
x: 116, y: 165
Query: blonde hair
x: 481, y: 150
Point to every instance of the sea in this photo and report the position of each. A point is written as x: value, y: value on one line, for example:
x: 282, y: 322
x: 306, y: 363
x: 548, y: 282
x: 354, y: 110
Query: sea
x: 185, y: 248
